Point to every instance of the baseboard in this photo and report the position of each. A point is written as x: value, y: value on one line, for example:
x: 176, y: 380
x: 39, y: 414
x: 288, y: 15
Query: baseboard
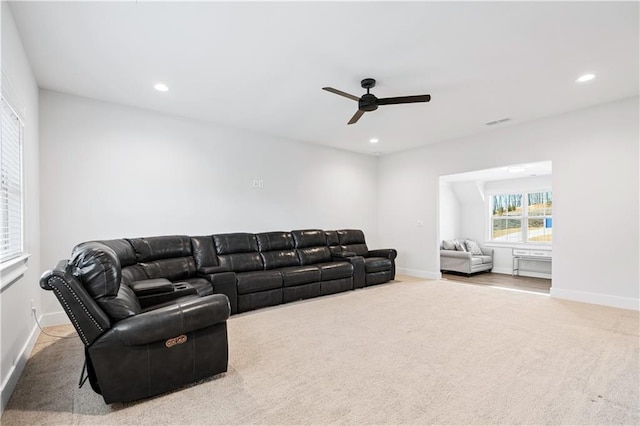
x: 54, y: 318
x: 419, y: 274
x: 15, y: 372
x: 531, y: 274
x: 596, y: 298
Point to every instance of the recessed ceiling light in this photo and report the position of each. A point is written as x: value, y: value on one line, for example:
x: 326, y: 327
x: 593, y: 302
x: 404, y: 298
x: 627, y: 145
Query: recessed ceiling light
x: 374, y: 140
x: 161, y: 87
x: 584, y: 78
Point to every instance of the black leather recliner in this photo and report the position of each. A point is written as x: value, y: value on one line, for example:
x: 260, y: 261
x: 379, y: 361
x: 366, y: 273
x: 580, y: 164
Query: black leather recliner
x: 380, y: 265
x: 134, y: 352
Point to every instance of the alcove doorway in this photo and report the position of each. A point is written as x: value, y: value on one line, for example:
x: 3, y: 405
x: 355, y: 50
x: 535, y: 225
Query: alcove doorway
x: 507, y: 210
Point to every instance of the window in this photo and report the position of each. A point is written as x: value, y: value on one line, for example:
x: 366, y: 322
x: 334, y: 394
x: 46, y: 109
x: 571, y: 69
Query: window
x: 522, y: 217
x: 10, y: 184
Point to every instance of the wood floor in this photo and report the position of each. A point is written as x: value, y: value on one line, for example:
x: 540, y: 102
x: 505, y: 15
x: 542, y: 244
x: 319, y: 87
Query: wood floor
x: 536, y: 285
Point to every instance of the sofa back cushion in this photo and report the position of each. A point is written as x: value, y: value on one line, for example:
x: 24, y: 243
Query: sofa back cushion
x: 131, y: 270
x: 133, y: 273
x: 277, y: 249
x: 309, y: 238
x: 204, y: 252
x: 332, y: 238
x: 353, y: 240
x: 238, y: 252
x: 100, y: 274
x: 280, y: 259
x: 178, y: 268
x: 333, y: 241
x: 241, y: 262
x: 123, y: 250
x: 313, y: 255
x: 99, y: 268
x: 311, y: 246
x: 154, y: 248
x: 238, y: 242
x: 124, y: 305
x: 270, y: 241
x: 448, y: 245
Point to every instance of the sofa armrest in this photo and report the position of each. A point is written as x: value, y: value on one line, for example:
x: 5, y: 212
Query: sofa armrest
x: 388, y: 253
x: 212, y: 270
x: 153, y: 286
x: 88, y: 318
x: 487, y: 251
x: 358, y: 263
x: 455, y: 253
x: 173, y: 321
x: 342, y: 255
x: 224, y: 283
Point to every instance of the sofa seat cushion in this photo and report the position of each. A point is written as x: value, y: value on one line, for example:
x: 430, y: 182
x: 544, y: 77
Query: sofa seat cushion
x: 297, y: 275
x: 202, y: 285
x: 377, y: 264
x: 251, y: 282
x: 335, y: 270
x: 486, y: 259
x: 476, y: 260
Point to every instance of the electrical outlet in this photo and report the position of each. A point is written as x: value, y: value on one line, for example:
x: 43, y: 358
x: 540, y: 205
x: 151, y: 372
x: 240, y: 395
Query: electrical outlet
x: 420, y: 223
x: 33, y: 308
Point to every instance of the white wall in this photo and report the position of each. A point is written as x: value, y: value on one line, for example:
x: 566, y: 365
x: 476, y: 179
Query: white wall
x: 449, y: 212
x: 110, y: 171
x: 18, y: 328
x: 472, y: 215
x: 594, y: 151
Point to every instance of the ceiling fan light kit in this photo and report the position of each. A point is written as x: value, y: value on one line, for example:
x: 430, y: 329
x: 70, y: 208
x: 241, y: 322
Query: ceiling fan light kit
x: 369, y: 102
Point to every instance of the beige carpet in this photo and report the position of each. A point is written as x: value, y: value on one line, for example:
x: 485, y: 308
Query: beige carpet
x: 412, y: 351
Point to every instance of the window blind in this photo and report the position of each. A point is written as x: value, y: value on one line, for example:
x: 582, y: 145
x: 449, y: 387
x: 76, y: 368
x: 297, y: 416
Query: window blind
x: 10, y: 183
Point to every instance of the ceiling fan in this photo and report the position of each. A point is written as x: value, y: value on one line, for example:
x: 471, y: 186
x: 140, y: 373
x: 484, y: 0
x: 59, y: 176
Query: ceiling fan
x: 368, y: 102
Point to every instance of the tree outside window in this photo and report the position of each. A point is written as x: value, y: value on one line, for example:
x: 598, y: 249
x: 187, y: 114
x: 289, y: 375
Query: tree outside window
x: 522, y: 217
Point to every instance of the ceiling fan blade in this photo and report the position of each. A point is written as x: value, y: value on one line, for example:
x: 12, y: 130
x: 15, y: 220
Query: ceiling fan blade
x: 341, y: 93
x: 404, y: 100
x: 359, y: 113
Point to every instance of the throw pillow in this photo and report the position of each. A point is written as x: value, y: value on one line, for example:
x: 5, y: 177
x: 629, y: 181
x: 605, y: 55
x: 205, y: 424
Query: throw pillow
x: 459, y: 245
x: 473, y: 247
x: 448, y: 245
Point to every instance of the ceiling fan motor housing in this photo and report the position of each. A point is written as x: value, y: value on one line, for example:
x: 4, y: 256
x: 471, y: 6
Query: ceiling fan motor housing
x: 368, y: 102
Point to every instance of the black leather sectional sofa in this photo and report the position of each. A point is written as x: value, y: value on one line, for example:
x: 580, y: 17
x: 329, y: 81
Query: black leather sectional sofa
x: 152, y: 311
x: 278, y: 267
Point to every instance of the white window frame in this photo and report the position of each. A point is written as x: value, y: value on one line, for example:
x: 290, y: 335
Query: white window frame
x: 489, y: 241
x: 13, y: 265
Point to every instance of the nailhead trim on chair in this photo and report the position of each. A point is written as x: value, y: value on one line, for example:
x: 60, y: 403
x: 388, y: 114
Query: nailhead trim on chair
x: 68, y: 309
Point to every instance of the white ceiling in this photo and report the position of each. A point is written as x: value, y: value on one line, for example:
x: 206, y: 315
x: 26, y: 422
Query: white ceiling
x: 261, y: 66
